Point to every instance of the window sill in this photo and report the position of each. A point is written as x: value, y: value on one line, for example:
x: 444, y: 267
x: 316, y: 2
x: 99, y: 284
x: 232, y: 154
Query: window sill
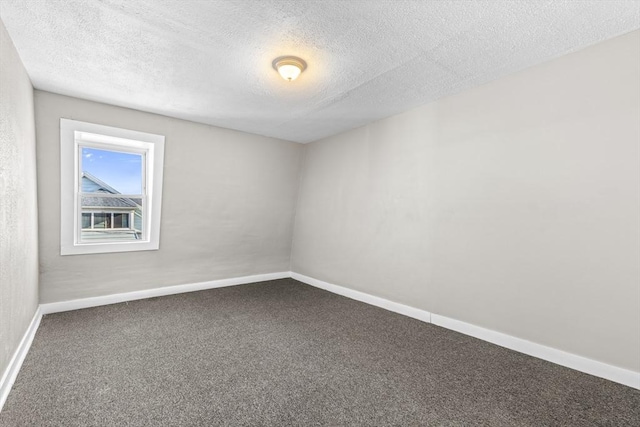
x: 101, y: 248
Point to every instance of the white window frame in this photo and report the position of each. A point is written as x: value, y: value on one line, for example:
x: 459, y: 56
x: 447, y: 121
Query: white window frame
x: 74, y: 135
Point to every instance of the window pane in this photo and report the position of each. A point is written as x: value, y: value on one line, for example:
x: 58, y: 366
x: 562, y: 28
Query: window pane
x: 114, y: 172
x: 120, y: 220
x: 101, y: 220
x: 86, y: 220
x: 111, y: 218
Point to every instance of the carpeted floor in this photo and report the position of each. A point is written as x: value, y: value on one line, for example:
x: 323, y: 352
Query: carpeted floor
x: 283, y: 353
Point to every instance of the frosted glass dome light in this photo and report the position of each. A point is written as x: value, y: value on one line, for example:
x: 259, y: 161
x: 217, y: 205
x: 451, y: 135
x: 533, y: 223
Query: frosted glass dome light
x: 289, y: 67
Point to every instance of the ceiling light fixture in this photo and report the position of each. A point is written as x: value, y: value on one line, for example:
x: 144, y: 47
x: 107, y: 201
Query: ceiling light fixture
x: 289, y: 67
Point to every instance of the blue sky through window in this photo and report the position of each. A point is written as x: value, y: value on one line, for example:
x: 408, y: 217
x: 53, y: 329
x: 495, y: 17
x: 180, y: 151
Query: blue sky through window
x: 122, y: 171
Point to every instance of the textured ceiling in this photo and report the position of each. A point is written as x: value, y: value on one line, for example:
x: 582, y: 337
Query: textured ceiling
x: 210, y: 61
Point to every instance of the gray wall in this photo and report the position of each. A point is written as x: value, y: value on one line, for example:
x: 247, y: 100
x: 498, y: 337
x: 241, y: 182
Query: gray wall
x: 228, y: 204
x: 513, y: 206
x: 18, y: 220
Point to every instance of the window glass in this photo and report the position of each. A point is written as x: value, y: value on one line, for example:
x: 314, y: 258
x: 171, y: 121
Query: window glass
x: 120, y: 220
x: 101, y: 220
x: 86, y: 220
x: 106, y: 171
x: 107, y: 174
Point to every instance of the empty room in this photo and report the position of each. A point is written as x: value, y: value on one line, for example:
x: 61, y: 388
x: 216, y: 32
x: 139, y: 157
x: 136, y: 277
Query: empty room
x: 336, y: 213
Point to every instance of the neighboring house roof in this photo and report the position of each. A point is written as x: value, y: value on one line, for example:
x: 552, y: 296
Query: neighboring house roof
x: 91, y: 184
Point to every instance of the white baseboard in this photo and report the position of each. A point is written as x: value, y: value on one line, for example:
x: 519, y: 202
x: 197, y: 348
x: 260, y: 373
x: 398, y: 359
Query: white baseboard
x: 569, y: 360
x: 396, y: 307
x: 559, y: 357
x: 11, y: 373
x: 57, y: 307
x: 579, y: 363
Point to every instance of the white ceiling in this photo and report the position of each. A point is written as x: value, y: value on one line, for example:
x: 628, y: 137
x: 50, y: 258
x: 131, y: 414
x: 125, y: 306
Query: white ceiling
x: 210, y: 61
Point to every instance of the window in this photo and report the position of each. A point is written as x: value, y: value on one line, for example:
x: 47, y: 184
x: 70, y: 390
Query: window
x: 111, y: 187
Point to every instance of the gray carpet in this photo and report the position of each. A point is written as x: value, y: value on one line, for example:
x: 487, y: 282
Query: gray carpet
x: 282, y: 353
